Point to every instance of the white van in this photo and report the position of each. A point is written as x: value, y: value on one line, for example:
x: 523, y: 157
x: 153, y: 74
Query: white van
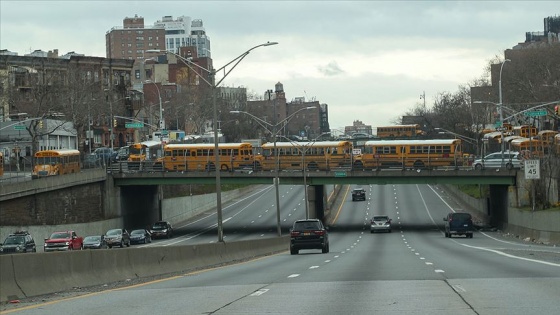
x: 511, y: 160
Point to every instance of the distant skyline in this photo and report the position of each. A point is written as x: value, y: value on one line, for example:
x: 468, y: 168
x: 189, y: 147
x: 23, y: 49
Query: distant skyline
x: 368, y: 60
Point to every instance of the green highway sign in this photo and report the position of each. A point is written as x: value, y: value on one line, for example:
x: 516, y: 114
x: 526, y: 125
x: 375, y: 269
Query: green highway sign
x: 134, y: 125
x: 339, y: 174
x: 498, y: 124
x: 535, y: 113
x: 164, y: 132
x: 19, y: 127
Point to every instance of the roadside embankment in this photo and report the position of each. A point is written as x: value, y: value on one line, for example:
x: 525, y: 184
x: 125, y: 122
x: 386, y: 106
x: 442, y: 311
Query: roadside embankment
x: 28, y: 275
x: 536, y: 226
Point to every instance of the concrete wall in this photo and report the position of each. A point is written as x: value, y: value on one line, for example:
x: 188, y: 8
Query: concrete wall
x: 28, y: 275
x: 539, y: 226
x: 179, y: 209
x: 174, y: 210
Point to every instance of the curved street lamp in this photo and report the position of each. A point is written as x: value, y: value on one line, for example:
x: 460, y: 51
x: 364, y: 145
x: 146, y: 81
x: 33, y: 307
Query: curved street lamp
x: 213, y: 84
x: 302, y: 147
x: 274, y: 133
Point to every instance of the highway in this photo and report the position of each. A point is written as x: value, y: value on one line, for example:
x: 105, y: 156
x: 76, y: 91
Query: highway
x: 413, y: 270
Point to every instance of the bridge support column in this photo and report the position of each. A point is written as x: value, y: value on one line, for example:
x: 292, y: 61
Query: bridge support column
x: 317, y: 201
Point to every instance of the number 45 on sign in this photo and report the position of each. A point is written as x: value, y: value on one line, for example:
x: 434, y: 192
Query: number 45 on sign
x: 532, y: 169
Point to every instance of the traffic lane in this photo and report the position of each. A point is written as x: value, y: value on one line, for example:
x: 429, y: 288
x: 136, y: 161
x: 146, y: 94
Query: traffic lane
x: 487, y: 239
x: 250, y: 217
x: 312, y: 283
x: 461, y: 257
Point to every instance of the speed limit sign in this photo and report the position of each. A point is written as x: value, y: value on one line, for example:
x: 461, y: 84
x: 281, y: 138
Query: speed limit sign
x: 532, y: 169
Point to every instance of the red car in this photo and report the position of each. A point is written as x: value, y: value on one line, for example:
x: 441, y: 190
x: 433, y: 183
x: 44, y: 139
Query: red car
x: 65, y: 240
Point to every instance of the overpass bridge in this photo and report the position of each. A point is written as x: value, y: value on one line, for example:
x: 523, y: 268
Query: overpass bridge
x: 314, y: 178
x: 136, y: 195
x: 498, y: 180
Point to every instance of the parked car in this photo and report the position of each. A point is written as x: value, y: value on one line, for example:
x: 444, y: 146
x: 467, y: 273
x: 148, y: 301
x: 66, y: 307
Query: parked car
x: 510, y: 159
x: 380, y: 223
x: 358, y: 194
x: 117, y: 237
x: 18, y: 242
x: 161, y: 229
x: 95, y: 242
x: 92, y: 161
x: 140, y: 236
x: 308, y: 234
x: 458, y: 223
x: 63, y: 240
x: 107, y: 155
x: 122, y: 154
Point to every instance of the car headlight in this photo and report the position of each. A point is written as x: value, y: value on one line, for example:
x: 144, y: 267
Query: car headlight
x: 67, y: 243
x: 1, y: 249
x: 164, y: 230
x: 19, y: 249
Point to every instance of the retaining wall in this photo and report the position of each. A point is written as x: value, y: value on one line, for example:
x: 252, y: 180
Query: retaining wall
x: 28, y: 275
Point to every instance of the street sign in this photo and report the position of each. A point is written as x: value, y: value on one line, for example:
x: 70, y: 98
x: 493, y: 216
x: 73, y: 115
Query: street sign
x: 134, y: 125
x: 498, y: 124
x: 535, y: 113
x: 532, y: 169
x: 339, y: 174
x: 19, y: 127
x: 164, y: 132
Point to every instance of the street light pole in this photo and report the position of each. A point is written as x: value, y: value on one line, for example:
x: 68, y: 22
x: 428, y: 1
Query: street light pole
x: 213, y: 84
x: 274, y: 132
x: 500, y: 111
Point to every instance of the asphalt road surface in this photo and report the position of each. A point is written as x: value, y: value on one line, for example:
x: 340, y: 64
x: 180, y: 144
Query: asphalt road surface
x: 413, y: 270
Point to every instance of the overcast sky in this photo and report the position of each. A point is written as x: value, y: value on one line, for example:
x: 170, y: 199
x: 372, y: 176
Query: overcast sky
x: 368, y: 60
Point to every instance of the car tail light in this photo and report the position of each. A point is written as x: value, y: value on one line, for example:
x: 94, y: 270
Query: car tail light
x: 295, y: 233
x: 319, y: 232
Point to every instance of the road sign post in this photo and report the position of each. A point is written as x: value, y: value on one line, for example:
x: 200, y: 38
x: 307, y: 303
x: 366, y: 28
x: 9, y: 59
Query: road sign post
x: 134, y: 125
x: 532, y: 169
x: 535, y: 113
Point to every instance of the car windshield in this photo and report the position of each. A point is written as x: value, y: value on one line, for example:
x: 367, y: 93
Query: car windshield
x: 380, y: 218
x: 114, y: 232
x: 140, y: 232
x: 14, y: 240
x: 159, y: 226
x: 461, y: 216
x: 60, y: 235
x: 307, y: 225
x: 92, y: 239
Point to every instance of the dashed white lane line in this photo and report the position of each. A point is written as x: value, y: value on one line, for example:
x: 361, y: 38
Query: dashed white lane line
x: 293, y: 275
x: 313, y: 267
x: 439, y: 271
x: 259, y: 292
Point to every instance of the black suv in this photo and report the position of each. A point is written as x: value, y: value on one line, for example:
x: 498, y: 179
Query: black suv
x: 18, y: 242
x: 358, y: 194
x: 458, y: 223
x: 308, y: 234
x: 161, y: 229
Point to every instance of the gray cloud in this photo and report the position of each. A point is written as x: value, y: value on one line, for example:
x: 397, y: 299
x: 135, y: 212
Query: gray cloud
x: 330, y: 69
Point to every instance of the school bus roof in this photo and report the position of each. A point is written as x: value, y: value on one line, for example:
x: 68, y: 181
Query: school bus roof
x: 207, y: 145
x: 412, y: 142
x: 57, y: 152
x: 306, y: 144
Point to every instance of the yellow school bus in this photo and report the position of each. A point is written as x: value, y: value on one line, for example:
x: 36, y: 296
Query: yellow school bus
x: 144, y: 151
x: 56, y: 162
x: 200, y: 157
x: 323, y: 155
x: 419, y: 154
x: 399, y: 131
